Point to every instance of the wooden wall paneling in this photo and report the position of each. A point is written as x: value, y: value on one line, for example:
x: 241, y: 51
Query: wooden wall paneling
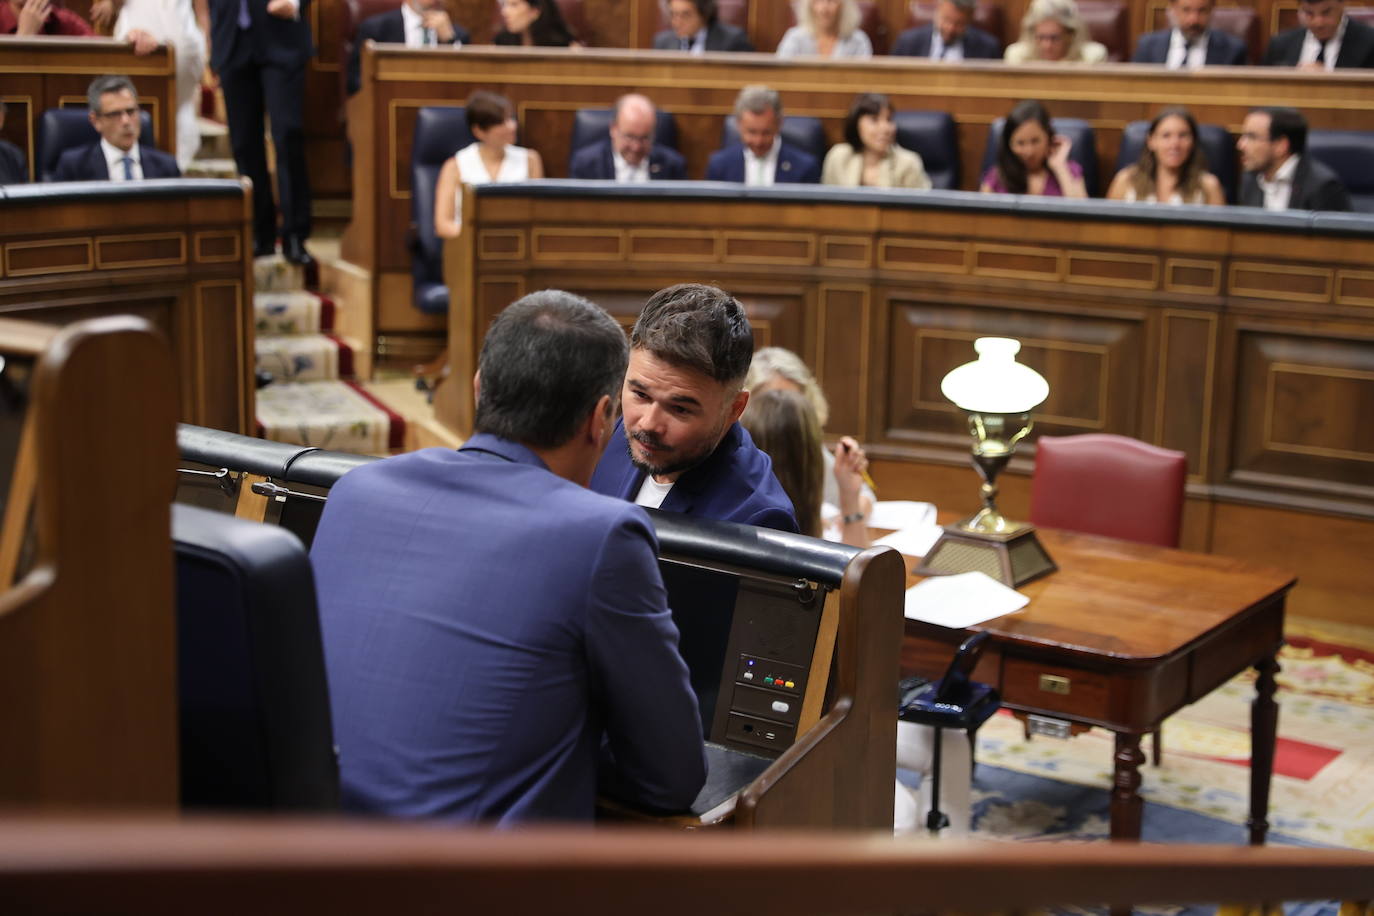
x: 843, y: 358
x: 1185, y: 384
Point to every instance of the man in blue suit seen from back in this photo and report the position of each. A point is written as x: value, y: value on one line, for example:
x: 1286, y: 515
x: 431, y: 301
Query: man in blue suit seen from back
x: 630, y: 155
x: 763, y: 158
x: 679, y: 446
x: 495, y: 633
x: 952, y: 37
x: 1191, y: 42
x: 117, y: 155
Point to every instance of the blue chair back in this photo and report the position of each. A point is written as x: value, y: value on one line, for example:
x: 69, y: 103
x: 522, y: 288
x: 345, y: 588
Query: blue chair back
x: 935, y: 137
x: 1080, y: 134
x: 807, y: 134
x: 61, y: 129
x: 1350, y: 154
x: 439, y: 133
x: 1214, y: 139
x: 254, y: 706
x: 591, y: 125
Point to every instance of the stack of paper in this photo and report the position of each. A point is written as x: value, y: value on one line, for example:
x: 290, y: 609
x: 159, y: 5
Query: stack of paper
x: 915, y: 530
x: 961, y: 601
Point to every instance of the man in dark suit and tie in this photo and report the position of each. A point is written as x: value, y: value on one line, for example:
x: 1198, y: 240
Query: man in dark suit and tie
x: 951, y: 37
x: 629, y: 155
x: 259, y: 49
x: 497, y: 636
x: 415, y: 24
x: 679, y: 446
x: 1278, y: 174
x: 1191, y: 42
x: 117, y: 155
x: 695, y: 27
x: 763, y: 158
x: 1327, y: 39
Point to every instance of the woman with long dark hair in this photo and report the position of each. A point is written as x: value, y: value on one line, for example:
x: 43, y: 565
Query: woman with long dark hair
x: 1032, y: 159
x: 1172, y: 168
x: 534, y: 23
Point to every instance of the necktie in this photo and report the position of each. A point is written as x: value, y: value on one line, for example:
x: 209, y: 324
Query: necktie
x: 685, y: 43
x: 428, y: 38
x: 128, y: 168
x: 244, y: 19
x: 1321, y: 53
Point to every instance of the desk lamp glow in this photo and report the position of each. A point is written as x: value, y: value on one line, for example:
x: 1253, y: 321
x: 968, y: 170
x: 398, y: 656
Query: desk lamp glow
x: 998, y: 394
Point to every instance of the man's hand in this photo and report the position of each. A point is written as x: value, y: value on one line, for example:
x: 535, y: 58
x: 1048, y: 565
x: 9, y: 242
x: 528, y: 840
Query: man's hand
x: 32, y: 15
x: 438, y: 21
x: 1312, y: 67
x: 282, y: 9
x: 102, y: 13
x: 144, y: 44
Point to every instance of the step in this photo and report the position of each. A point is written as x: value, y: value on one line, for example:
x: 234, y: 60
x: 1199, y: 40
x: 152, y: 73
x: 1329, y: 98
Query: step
x: 274, y: 273
x: 339, y: 416
x: 304, y: 357
x: 292, y: 312
x: 211, y: 168
x: 214, y: 140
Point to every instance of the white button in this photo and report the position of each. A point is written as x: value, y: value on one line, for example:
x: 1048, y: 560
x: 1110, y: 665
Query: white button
x: 780, y: 706
x: 748, y: 675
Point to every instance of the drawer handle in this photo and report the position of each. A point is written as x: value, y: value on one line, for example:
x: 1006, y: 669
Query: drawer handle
x: 1053, y: 683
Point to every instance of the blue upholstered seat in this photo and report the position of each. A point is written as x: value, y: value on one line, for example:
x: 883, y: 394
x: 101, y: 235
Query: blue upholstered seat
x: 1080, y: 134
x: 61, y: 129
x: 439, y: 133
x: 1350, y: 154
x: 934, y: 135
x: 1216, y: 144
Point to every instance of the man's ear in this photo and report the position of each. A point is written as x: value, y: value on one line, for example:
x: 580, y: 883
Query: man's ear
x: 95, y: 120
x: 600, y: 423
x: 740, y: 402
x: 476, y: 387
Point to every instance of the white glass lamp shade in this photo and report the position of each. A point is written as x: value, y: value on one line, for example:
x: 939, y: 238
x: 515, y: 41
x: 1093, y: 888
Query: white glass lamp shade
x: 995, y: 382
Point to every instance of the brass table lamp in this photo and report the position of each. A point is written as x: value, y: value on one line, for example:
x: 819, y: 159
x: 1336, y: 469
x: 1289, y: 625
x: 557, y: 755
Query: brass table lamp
x: 998, y: 394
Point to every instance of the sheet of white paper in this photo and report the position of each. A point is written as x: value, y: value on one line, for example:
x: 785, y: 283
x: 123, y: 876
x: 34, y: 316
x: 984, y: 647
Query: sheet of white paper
x: 914, y: 542
x: 901, y: 513
x: 961, y: 601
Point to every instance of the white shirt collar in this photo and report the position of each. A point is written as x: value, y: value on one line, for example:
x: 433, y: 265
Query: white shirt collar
x: 114, y: 159
x: 1278, y: 191
x: 414, y: 26
x: 762, y: 171
x: 941, y: 51
x: 1311, y: 47
x: 1181, y: 54
x: 629, y: 174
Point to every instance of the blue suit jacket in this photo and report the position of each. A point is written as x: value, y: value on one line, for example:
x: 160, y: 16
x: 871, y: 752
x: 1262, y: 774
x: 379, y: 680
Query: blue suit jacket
x: 793, y: 165
x: 665, y: 163
x: 1223, y: 49
x: 735, y: 484
x: 485, y: 624
x: 978, y: 45
x: 87, y: 163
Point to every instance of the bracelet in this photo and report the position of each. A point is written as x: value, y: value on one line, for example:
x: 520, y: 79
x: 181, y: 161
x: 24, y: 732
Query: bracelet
x: 856, y: 517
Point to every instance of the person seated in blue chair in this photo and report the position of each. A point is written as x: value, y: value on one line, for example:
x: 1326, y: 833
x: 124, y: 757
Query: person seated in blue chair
x: 1278, y: 173
x: 695, y: 27
x: 629, y: 155
x: 952, y: 37
x: 763, y: 158
x: 117, y: 155
x: 494, y: 157
x: 1191, y: 42
x: 679, y: 446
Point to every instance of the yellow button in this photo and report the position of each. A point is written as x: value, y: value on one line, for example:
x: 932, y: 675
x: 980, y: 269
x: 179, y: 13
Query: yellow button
x: 789, y: 684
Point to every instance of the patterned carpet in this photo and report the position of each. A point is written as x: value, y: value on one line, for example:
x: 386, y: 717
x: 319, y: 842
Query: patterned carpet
x: 1323, y: 788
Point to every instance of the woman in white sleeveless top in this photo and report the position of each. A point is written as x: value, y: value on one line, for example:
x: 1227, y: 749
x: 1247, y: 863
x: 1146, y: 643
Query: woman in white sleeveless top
x: 148, y: 24
x: 1171, y: 169
x: 493, y: 158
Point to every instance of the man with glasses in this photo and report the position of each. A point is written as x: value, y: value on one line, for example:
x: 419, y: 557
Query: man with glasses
x: 117, y: 155
x: 629, y: 155
x: 1278, y: 176
x: 1327, y: 39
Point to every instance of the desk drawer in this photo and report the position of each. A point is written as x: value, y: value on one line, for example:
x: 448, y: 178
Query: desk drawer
x: 1069, y: 692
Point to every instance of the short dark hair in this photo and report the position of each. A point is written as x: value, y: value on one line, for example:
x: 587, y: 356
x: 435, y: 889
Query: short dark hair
x: 487, y: 109
x: 706, y: 9
x: 105, y: 84
x: 1288, y: 123
x: 868, y: 103
x: 547, y: 360
x: 697, y: 327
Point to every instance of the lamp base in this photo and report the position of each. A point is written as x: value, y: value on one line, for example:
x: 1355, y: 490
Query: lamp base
x: 1012, y: 557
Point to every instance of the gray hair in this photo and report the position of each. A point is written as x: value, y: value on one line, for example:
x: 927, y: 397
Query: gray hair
x: 757, y: 100
x: 1064, y: 12
x: 102, y: 85
x: 849, y: 16
x: 776, y: 362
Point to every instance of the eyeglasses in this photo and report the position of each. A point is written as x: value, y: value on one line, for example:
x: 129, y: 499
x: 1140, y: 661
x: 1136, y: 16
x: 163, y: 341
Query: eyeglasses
x: 1254, y: 138
x: 121, y: 113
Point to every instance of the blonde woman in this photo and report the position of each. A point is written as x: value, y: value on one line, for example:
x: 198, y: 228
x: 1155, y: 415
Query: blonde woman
x: 1052, y: 31
x: 825, y: 28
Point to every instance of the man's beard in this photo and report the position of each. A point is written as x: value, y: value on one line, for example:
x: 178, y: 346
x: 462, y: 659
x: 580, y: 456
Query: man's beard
x: 684, y: 463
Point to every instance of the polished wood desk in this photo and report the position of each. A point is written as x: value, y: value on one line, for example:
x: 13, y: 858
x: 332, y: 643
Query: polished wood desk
x: 1124, y: 635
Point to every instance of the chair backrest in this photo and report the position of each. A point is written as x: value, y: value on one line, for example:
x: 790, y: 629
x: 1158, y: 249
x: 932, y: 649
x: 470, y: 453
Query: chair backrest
x: 935, y: 137
x: 255, y: 721
x: 730, y: 12
x: 1214, y: 139
x: 1108, y: 23
x: 1242, y: 22
x: 1110, y: 485
x: 1080, y: 134
x: 60, y: 129
x: 807, y: 134
x: 590, y: 125
x: 1350, y: 154
x: 439, y: 133
x: 986, y: 16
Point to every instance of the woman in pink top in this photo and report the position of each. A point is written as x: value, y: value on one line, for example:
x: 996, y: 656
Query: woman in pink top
x: 1032, y: 159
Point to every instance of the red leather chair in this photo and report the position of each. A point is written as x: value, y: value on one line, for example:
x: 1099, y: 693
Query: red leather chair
x: 1114, y: 486
x: 986, y: 16
x: 1107, y: 21
x: 1242, y: 22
